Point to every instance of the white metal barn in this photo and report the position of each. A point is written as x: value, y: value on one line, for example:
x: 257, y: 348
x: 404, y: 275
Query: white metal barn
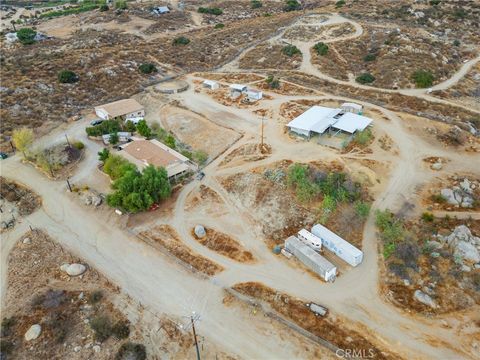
x: 343, y: 249
x: 319, y: 119
x: 210, y: 84
x: 311, y: 258
x: 309, y: 239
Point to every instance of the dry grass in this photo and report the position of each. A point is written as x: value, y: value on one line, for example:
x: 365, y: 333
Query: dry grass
x: 225, y: 245
x: 167, y: 237
x: 268, y: 56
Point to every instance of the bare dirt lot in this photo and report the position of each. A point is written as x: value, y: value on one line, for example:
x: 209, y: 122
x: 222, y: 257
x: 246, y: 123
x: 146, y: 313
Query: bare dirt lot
x: 195, y: 130
x: 318, y: 33
x: 269, y: 56
x: 25, y: 199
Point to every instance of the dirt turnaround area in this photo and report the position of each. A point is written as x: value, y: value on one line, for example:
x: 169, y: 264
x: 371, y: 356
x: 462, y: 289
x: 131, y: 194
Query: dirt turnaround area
x: 25, y: 200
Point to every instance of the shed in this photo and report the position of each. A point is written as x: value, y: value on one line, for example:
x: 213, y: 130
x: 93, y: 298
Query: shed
x: 159, y: 10
x: 129, y: 109
x: 343, y: 249
x: 238, y: 88
x: 352, y: 107
x: 309, y: 239
x: 254, y: 94
x: 210, y: 84
x: 311, y: 259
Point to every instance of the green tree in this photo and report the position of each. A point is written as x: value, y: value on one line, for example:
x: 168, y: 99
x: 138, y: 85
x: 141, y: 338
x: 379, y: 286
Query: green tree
x: 103, y: 155
x: 219, y: 26
x: 130, y: 126
x: 22, y: 139
x: 104, y: 7
x: 255, y: 4
x: 423, y: 78
x: 291, y: 50
x: 121, y: 5
x: 113, y: 139
x: 67, y: 77
x: 170, y: 141
x: 143, y: 129
x: 362, y: 209
x: 200, y: 157
x: 181, y: 40
x: 292, y: 5
x: 370, y: 57
x: 339, y: 3
x: 116, y: 166
x: 321, y: 48
x: 26, y: 36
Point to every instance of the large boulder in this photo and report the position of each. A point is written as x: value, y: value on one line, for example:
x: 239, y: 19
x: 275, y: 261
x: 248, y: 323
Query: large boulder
x: 424, y: 299
x: 76, y: 269
x: 449, y: 196
x: 465, y: 185
x: 467, y: 251
x: 200, y: 231
x: 33, y: 333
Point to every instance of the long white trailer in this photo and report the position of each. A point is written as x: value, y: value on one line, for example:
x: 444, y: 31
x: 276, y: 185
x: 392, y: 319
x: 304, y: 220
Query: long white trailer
x: 311, y: 258
x: 343, y: 249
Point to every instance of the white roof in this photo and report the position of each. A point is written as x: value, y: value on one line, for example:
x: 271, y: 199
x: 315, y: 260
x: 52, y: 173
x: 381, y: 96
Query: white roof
x: 307, y: 251
x: 309, y: 236
x: 238, y: 87
x: 352, y: 105
x: 162, y: 9
x: 317, y: 118
x: 323, y: 233
x: 350, y: 122
x: 210, y: 82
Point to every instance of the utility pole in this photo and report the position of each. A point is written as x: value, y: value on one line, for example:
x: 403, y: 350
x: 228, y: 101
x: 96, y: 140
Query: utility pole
x: 69, y: 186
x: 13, y: 147
x: 195, y: 337
x: 68, y: 142
x: 261, y: 141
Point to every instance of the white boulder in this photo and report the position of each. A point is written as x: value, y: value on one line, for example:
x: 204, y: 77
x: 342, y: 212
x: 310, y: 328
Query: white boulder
x: 76, y: 269
x: 467, y: 251
x: 424, y: 299
x: 437, y: 166
x: 200, y: 231
x: 33, y: 333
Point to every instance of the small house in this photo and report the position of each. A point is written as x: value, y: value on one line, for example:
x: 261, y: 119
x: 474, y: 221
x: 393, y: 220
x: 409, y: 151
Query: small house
x: 254, y: 95
x: 127, y: 109
x: 211, y: 85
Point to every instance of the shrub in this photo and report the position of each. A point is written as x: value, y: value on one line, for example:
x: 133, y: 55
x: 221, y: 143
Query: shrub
x: 104, y: 7
x: 365, y: 78
x: 255, y: 4
x: 121, y: 5
x: 210, y: 10
x: 143, y: 129
x: 106, y: 127
x: 116, y: 166
x: 130, y: 126
x: 181, y: 40
x: 78, y: 145
x: 427, y: 217
x: 67, y: 77
x: 170, y: 141
x: 272, y: 82
x: 7, y: 324
x: 456, y: 42
x: 113, y: 139
x: 408, y: 252
x: 291, y: 50
x: 363, y: 137
x: 292, y: 5
x: 103, y: 155
x: 26, y: 36
x: 370, y: 57
x: 147, y: 68
x: 391, y: 229
x: 121, y: 330
x: 321, y: 48
x: 438, y: 198
x: 362, y: 209
x: 101, y: 327
x: 423, y: 78
x: 340, y: 3
x: 131, y: 351
x: 434, y: 2
x: 219, y: 26
x: 200, y: 157
x: 95, y: 297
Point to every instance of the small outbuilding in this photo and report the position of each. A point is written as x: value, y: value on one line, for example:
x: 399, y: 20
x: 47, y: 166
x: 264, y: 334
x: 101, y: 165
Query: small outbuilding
x: 210, y: 84
x: 352, y: 107
x: 254, y: 95
x: 123, y: 137
x: 309, y: 239
x: 237, y: 89
x: 159, y: 10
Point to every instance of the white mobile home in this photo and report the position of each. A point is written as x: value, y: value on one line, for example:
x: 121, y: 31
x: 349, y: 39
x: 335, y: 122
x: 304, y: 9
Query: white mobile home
x: 311, y: 258
x: 254, y: 95
x: 210, y: 84
x: 343, y: 249
x: 309, y: 239
x: 127, y: 109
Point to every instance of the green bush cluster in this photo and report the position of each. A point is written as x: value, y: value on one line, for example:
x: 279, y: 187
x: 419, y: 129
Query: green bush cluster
x: 423, y: 78
x: 26, y: 36
x: 147, y: 68
x: 321, y: 48
x: 78, y: 145
x: 103, y: 155
x: 86, y: 6
x: 340, y: 3
x: 392, y: 231
x: 363, y: 137
x: 121, y: 5
x: 181, y: 40
x: 210, y: 10
x: 272, y: 82
x: 101, y: 327
x: 143, y: 129
x: 67, y: 77
x: 219, y: 26
x: 365, y: 78
x: 104, y: 7
x: 291, y: 50
x: 116, y: 166
x: 292, y: 5
x: 255, y: 4
x: 370, y: 57
x: 106, y: 127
